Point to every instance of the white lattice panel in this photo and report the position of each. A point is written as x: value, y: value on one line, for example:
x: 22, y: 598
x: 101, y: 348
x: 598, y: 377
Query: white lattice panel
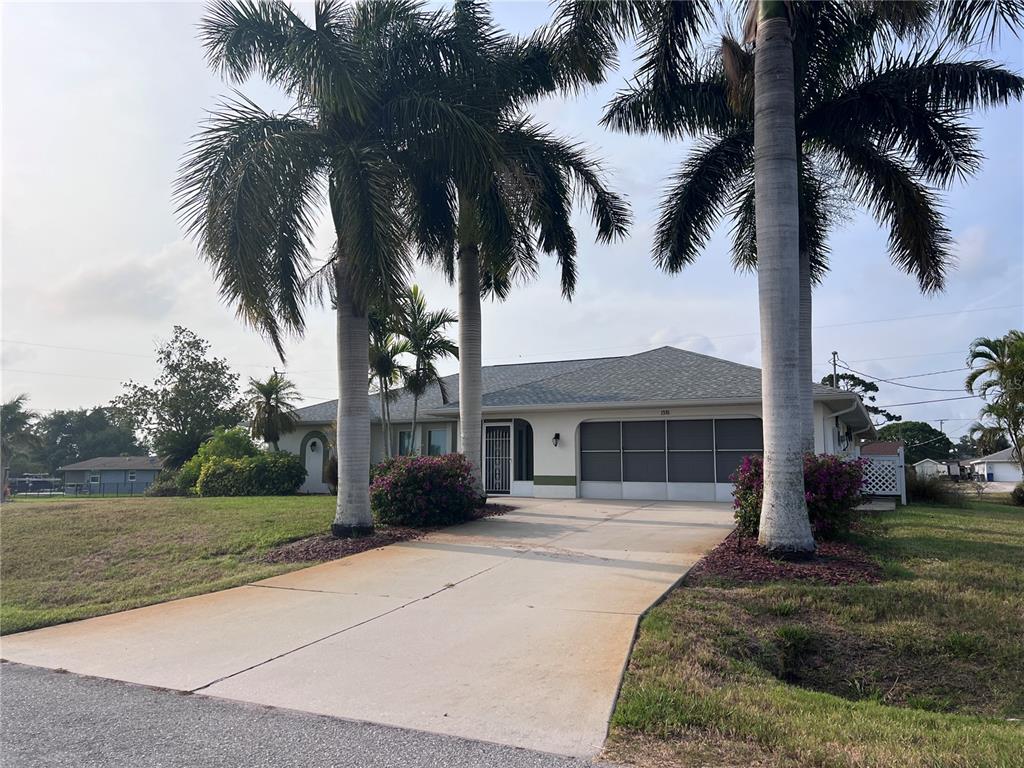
x: 882, y: 476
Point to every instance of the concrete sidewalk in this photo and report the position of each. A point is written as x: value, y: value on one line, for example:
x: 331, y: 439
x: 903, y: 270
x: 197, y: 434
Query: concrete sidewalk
x: 512, y: 629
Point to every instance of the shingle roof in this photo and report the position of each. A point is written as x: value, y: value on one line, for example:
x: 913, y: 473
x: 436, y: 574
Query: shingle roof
x: 117, y: 462
x: 665, y: 374
x: 1004, y: 455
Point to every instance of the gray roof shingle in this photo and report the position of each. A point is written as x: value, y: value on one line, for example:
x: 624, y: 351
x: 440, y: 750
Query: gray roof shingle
x: 1004, y: 455
x: 665, y: 374
x: 117, y: 462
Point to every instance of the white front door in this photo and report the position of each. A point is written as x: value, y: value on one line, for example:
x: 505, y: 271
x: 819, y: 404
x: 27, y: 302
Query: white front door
x: 497, y: 458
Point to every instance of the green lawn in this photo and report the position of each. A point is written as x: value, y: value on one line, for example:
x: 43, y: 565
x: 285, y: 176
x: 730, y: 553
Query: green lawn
x: 65, y: 559
x: 923, y: 670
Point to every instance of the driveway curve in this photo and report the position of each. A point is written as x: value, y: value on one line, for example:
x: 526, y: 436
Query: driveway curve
x: 512, y: 629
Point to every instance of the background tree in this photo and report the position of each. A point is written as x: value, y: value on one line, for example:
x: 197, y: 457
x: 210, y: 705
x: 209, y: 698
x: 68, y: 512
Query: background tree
x: 367, y: 117
x: 17, y: 437
x: 65, y: 437
x: 851, y: 382
x: 921, y: 441
x: 424, y: 332
x: 387, y: 371
x: 193, y: 394
x: 997, y: 375
x: 271, y: 406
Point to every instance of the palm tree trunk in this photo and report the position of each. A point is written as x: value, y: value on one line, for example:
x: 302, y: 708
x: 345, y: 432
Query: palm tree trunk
x: 785, y: 527
x: 352, y: 516
x: 384, y: 425
x: 806, y: 355
x: 413, y: 445
x: 470, y: 377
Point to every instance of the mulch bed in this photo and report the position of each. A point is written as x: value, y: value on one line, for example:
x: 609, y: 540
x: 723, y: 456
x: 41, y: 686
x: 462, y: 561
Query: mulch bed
x: 739, y: 559
x: 315, y: 549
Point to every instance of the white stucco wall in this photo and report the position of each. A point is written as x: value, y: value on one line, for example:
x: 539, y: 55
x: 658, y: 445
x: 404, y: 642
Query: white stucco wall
x: 1002, y: 471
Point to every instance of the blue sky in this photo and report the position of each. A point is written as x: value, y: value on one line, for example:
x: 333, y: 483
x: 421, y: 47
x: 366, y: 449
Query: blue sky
x: 99, y: 101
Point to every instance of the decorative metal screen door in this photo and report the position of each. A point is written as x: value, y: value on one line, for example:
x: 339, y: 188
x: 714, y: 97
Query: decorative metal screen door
x: 498, y: 458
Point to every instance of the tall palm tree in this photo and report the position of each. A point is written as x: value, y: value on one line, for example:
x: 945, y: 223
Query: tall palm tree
x: 997, y: 374
x: 271, y: 408
x: 16, y: 435
x: 365, y: 113
x: 387, y: 370
x: 423, y: 330
x: 522, y: 203
x: 670, y: 97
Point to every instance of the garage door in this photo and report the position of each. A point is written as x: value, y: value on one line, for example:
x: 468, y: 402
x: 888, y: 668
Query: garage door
x: 677, y: 459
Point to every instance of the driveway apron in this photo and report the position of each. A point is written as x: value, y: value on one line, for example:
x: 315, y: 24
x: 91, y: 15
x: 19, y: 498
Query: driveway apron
x: 512, y: 629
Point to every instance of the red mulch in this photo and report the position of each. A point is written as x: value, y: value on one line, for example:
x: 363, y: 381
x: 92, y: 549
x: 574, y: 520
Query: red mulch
x: 739, y: 559
x: 326, y: 547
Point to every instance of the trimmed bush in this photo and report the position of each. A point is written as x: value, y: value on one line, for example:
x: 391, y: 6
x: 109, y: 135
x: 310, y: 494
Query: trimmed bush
x: 832, y: 487
x: 168, y: 483
x: 423, y: 491
x: 933, y: 490
x: 266, y: 474
x: 233, y: 443
x: 1017, y: 495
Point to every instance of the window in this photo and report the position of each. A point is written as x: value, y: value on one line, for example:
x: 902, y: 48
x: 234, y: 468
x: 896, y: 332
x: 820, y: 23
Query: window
x: 437, y: 441
x: 94, y: 478
x: 523, y: 450
x: 404, y: 442
x: 131, y: 475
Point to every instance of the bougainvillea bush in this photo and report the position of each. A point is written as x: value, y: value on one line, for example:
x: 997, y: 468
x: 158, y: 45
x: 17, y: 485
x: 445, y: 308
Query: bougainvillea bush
x: 423, y: 491
x: 832, y: 487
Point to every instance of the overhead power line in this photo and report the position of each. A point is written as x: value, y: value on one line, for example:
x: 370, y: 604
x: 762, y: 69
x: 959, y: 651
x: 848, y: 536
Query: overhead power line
x: 897, y: 383
x: 921, y: 402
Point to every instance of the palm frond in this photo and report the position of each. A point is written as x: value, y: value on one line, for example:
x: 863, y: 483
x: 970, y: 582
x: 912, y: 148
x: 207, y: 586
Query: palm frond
x: 697, y: 198
x: 919, y: 242
x: 971, y: 20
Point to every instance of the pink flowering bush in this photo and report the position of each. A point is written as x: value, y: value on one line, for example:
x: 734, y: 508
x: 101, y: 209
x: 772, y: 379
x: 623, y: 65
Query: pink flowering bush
x: 832, y: 487
x: 423, y: 491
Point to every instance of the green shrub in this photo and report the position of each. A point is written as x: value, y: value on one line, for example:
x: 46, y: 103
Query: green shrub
x: 933, y: 490
x: 233, y: 443
x: 266, y: 474
x: 832, y: 487
x: 423, y: 491
x: 167, y: 483
x: 1017, y: 495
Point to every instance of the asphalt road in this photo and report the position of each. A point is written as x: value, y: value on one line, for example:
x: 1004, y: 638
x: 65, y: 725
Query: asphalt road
x: 58, y: 719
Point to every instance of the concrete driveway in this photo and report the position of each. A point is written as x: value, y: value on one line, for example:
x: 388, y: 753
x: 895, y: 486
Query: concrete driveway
x: 512, y: 629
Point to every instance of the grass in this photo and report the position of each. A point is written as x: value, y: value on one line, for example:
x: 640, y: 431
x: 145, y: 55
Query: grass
x: 924, y: 670
x: 66, y: 559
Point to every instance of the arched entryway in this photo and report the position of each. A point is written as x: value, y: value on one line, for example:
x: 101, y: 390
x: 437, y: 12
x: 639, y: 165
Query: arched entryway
x: 315, y: 452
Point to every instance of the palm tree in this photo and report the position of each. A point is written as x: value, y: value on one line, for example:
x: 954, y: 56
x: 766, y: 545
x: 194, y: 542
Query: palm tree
x: 386, y: 367
x: 365, y: 114
x: 272, y: 408
x: 423, y: 330
x: 522, y: 203
x: 988, y: 437
x: 997, y: 374
x: 880, y: 134
x: 16, y: 435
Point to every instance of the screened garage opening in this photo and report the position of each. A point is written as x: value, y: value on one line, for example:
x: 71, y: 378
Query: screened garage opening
x: 674, y: 459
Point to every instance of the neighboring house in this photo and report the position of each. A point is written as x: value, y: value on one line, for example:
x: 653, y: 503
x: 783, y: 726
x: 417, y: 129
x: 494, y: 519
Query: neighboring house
x: 930, y: 468
x: 113, y: 474
x: 663, y: 424
x: 881, y: 448
x: 998, y: 467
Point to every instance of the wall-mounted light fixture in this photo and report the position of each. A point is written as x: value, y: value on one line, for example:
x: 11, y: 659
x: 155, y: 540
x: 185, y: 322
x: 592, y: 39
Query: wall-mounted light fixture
x: 555, y: 439
x: 312, y: 446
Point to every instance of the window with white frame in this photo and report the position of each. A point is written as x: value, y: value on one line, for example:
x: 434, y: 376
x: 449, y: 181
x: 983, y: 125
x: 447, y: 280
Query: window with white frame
x: 131, y: 475
x: 404, y: 442
x: 437, y: 441
x: 94, y: 478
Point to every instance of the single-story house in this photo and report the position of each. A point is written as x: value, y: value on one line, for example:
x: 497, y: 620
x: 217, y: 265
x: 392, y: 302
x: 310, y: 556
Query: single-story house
x: 930, y: 468
x: 661, y: 424
x: 120, y: 474
x: 998, y: 467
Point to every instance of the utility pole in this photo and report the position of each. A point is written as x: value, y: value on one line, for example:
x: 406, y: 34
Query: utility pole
x: 835, y: 369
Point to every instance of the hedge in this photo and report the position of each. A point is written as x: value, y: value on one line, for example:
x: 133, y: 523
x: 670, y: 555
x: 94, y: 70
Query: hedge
x: 266, y: 474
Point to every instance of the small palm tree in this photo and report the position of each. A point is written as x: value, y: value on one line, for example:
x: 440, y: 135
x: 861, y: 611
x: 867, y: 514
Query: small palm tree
x: 387, y: 370
x: 16, y: 435
x: 423, y: 330
x: 366, y: 114
x: 997, y: 374
x: 271, y: 408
